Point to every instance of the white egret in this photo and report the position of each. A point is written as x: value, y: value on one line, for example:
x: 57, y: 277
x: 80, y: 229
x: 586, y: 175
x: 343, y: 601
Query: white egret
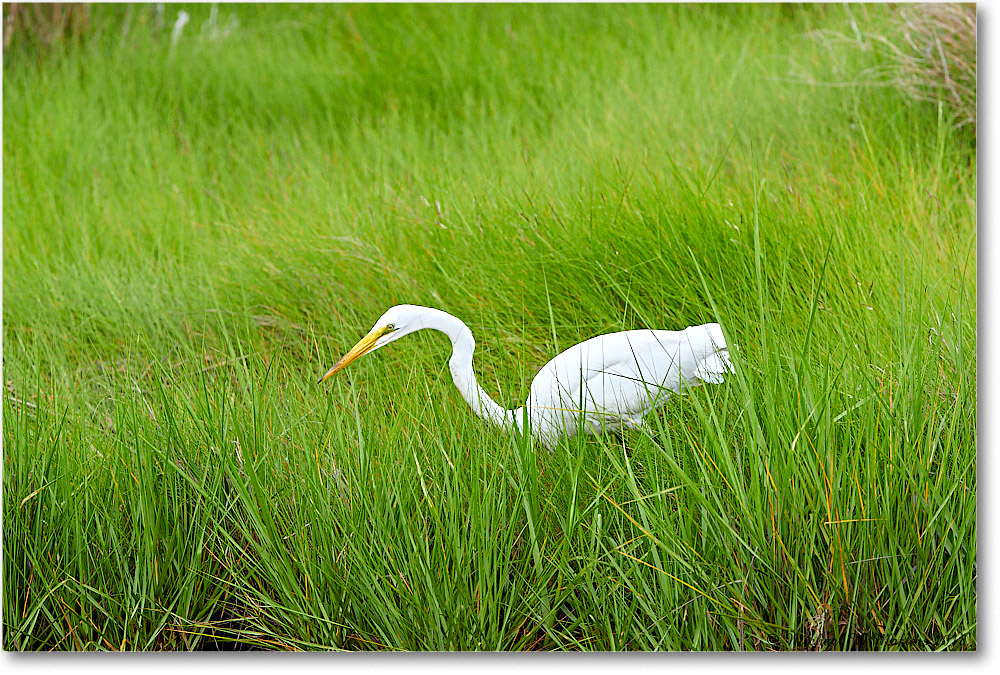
x: 608, y: 382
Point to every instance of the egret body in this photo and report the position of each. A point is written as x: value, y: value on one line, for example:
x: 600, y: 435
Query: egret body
x: 607, y: 382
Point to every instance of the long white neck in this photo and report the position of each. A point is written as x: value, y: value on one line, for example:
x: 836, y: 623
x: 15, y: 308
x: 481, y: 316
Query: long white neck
x: 463, y: 345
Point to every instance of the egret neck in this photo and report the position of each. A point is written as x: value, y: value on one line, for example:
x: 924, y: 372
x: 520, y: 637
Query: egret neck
x: 463, y: 346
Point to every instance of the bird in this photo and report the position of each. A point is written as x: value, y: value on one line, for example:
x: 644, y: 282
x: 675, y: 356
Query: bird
x: 607, y: 383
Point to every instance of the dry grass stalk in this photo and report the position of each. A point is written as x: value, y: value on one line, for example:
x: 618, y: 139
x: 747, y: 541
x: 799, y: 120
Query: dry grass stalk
x: 938, y: 56
x: 931, y: 56
x: 44, y: 22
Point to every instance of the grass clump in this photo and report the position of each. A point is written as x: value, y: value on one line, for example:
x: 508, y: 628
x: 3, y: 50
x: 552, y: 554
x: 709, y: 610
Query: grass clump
x: 938, y: 61
x: 929, y: 53
x: 241, y: 204
x: 42, y: 23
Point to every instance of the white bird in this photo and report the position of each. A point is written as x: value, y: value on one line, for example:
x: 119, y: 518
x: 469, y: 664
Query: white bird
x: 608, y: 382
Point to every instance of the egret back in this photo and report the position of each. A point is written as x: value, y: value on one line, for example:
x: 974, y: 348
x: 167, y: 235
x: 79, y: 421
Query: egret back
x: 614, y: 380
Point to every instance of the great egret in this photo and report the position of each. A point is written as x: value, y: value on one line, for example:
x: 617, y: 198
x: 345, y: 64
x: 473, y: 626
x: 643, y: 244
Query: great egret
x: 608, y: 382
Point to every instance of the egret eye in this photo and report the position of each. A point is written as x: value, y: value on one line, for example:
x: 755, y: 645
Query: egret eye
x: 391, y: 327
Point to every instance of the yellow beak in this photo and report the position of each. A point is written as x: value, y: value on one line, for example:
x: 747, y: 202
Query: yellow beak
x: 365, y: 345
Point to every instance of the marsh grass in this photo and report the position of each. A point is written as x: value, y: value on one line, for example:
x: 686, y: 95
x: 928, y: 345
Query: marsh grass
x: 940, y: 56
x: 930, y: 55
x: 237, y: 210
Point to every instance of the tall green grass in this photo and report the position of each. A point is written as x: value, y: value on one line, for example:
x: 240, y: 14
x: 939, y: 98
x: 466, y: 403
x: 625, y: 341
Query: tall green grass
x: 192, y: 233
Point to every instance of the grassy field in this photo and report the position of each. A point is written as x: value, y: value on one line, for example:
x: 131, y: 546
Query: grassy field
x: 195, y: 230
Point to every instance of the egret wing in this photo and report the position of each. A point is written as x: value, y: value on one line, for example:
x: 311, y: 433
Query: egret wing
x: 616, y: 379
x: 608, y: 379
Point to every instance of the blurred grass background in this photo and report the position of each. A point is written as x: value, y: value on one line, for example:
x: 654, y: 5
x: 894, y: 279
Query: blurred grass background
x: 200, y: 217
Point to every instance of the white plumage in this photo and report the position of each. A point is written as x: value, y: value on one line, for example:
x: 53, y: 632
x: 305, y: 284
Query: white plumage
x: 607, y: 382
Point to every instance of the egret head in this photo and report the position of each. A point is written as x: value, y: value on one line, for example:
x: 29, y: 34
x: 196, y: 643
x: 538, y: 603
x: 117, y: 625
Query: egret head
x: 395, y: 323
